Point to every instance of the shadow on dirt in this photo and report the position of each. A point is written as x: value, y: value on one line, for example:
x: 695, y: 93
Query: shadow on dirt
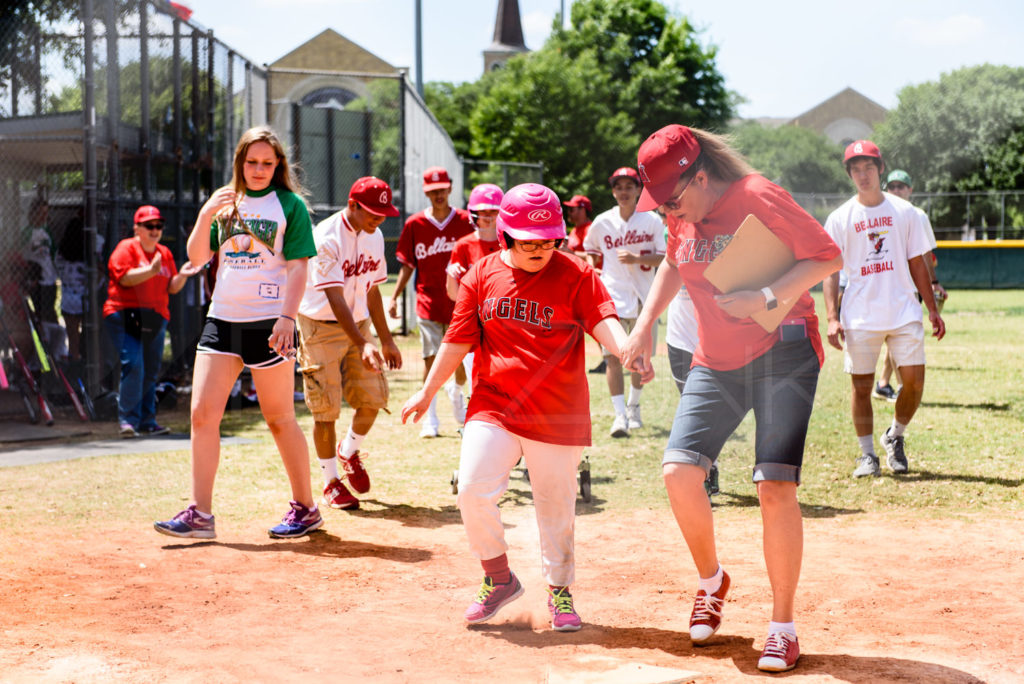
x: 322, y: 544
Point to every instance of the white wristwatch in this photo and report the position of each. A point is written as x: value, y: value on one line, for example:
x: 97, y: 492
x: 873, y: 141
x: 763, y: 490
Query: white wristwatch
x: 770, y: 302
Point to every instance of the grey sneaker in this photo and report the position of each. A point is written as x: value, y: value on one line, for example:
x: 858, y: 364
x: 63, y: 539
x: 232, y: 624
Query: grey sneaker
x: 867, y: 464
x: 633, y: 421
x: 897, y: 459
x: 620, y: 426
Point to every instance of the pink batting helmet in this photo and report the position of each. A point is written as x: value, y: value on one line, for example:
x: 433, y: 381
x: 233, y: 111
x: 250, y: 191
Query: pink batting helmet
x: 531, y: 212
x: 485, y: 196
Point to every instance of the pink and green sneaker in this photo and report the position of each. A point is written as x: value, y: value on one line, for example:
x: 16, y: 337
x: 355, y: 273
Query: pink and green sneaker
x: 563, y: 616
x: 491, y: 598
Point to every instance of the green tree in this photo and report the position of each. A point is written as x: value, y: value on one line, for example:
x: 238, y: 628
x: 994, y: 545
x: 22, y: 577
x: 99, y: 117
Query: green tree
x: 798, y: 159
x: 964, y: 132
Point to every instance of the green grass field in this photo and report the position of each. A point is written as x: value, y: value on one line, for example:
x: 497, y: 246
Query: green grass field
x: 964, y: 447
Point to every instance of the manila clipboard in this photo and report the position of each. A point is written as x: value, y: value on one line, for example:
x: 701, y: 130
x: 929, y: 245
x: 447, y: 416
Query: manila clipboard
x: 754, y: 258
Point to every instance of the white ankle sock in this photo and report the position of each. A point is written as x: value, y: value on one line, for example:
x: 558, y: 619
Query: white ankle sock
x: 329, y: 468
x: 787, y: 627
x: 350, y: 444
x: 897, y: 429
x: 619, y: 402
x: 867, y: 444
x: 634, y: 395
x: 711, y: 584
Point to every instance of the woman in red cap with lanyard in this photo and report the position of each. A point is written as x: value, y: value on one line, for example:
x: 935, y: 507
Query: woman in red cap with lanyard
x: 526, y: 309
x: 706, y: 190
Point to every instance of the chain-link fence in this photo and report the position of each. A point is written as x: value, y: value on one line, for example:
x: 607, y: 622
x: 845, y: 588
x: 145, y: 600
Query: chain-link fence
x: 989, y: 215
x: 106, y: 105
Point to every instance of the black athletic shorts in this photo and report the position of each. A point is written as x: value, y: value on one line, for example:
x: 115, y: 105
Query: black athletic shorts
x: 247, y: 340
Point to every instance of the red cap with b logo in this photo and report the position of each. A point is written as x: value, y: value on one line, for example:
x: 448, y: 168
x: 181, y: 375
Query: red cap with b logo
x: 374, y: 195
x: 435, y: 178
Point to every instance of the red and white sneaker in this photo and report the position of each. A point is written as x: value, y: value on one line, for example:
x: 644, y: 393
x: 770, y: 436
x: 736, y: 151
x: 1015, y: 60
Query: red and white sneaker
x: 354, y: 470
x: 706, y: 617
x: 780, y: 653
x: 336, y: 495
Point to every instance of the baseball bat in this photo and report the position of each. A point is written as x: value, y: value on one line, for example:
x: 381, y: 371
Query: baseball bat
x: 47, y: 367
x: 4, y: 384
x: 44, y: 408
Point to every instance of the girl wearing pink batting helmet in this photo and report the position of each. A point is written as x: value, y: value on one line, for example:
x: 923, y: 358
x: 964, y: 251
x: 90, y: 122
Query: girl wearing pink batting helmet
x: 526, y: 308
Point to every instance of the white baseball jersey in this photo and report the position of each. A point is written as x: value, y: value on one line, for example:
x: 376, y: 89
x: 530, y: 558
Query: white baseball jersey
x: 347, y: 258
x: 253, y: 252
x: 876, y: 243
x: 643, y: 233
x: 681, y: 331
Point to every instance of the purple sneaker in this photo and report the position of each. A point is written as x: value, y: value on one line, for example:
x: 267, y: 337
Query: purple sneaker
x: 188, y: 523
x: 491, y: 598
x: 297, y: 522
x: 563, y: 616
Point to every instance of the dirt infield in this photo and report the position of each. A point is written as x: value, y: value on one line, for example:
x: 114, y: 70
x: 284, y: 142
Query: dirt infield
x: 377, y: 596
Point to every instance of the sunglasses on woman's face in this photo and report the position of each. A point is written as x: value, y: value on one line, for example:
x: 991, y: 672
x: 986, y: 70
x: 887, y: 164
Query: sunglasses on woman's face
x: 673, y: 204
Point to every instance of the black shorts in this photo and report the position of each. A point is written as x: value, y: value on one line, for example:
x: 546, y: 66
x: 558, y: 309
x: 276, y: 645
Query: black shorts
x: 247, y: 341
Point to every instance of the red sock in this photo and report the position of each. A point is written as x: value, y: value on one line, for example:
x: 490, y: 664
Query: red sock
x: 497, y: 569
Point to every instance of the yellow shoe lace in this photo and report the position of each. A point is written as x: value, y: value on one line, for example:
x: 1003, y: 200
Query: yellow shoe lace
x: 561, y: 600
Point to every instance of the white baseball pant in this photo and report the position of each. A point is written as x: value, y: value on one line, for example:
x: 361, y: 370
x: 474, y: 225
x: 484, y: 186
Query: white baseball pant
x: 489, y: 453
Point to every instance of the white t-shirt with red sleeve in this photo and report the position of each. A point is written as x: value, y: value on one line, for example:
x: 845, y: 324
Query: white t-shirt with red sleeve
x: 426, y: 245
x: 877, y: 242
x: 530, y: 374
x: 347, y: 258
x: 727, y: 343
x: 642, y: 234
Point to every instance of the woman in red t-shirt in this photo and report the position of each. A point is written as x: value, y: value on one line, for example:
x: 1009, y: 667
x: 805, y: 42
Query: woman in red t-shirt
x: 526, y: 308
x: 706, y: 190
x: 142, y: 277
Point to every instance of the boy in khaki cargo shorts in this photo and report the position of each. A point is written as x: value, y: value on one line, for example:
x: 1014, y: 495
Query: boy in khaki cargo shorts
x: 337, y: 355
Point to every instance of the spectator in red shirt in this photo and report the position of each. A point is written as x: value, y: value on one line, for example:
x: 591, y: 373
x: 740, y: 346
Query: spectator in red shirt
x: 142, y: 276
x: 424, y: 248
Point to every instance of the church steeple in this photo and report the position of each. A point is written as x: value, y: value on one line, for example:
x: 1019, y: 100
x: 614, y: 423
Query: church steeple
x: 508, y: 36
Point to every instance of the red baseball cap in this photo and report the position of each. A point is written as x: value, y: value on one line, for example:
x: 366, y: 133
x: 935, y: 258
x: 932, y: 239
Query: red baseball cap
x: 624, y: 172
x: 435, y: 178
x: 662, y: 159
x: 580, y: 201
x: 146, y: 213
x: 862, y: 148
x: 374, y: 195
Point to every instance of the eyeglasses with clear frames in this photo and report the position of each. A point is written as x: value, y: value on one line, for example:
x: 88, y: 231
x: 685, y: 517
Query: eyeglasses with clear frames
x: 673, y: 204
x: 546, y: 245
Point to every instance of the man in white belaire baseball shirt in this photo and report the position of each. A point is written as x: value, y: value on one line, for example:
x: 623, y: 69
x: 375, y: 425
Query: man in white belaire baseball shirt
x: 631, y: 245
x: 883, y: 243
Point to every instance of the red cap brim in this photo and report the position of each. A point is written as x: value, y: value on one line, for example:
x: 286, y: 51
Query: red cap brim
x: 653, y: 196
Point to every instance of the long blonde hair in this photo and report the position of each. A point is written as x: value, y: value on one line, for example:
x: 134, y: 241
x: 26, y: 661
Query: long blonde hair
x: 718, y: 159
x: 284, y: 176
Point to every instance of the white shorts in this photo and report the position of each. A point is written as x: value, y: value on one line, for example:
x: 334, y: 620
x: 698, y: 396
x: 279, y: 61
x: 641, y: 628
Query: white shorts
x: 431, y: 334
x: 489, y: 453
x: 906, y: 345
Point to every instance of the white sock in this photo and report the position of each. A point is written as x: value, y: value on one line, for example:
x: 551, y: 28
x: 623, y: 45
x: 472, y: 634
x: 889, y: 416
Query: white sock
x: 619, y: 402
x: 897, y: 429
x: 634, y: 395
x: 786, y: 627
x: 431, y: 418
x: 350, y: 444
x: 867, y: 444
x: 329, y: 468
x: 711, y: 584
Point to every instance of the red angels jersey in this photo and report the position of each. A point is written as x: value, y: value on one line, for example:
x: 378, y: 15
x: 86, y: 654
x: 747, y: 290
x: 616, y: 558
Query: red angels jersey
x: 347, y: 258
x: 877, y: 242
x: 724, y: 342
x: 529, y: 370
x: 426, y: 246
x: 470, y: 249
x: 643, y: 233
x: 150, y: 294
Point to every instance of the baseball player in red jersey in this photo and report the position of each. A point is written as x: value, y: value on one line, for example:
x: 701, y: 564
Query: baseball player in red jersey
x: 425, y: 248
x: 526, y: 309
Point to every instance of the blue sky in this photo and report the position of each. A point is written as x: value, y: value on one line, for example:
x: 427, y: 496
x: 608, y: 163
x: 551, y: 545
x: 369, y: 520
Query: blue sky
x: 784, y: 57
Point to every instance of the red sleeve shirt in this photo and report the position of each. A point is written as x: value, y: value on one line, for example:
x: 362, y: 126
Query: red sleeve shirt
x: 529, y: 369
x: 426, y: 246
x: 727, y: 343
x: 150, y: 294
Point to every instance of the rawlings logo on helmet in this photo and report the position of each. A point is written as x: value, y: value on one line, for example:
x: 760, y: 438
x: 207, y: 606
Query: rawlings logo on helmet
x: 539, y: 215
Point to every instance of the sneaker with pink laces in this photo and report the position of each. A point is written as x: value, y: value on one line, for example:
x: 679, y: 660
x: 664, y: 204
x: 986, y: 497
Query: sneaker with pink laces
x: 563, y: 616
x: 780, y: 653
x: 336, y: 495
x: 491, y: 598
x: 706, y: 617
x: 357, y: 476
